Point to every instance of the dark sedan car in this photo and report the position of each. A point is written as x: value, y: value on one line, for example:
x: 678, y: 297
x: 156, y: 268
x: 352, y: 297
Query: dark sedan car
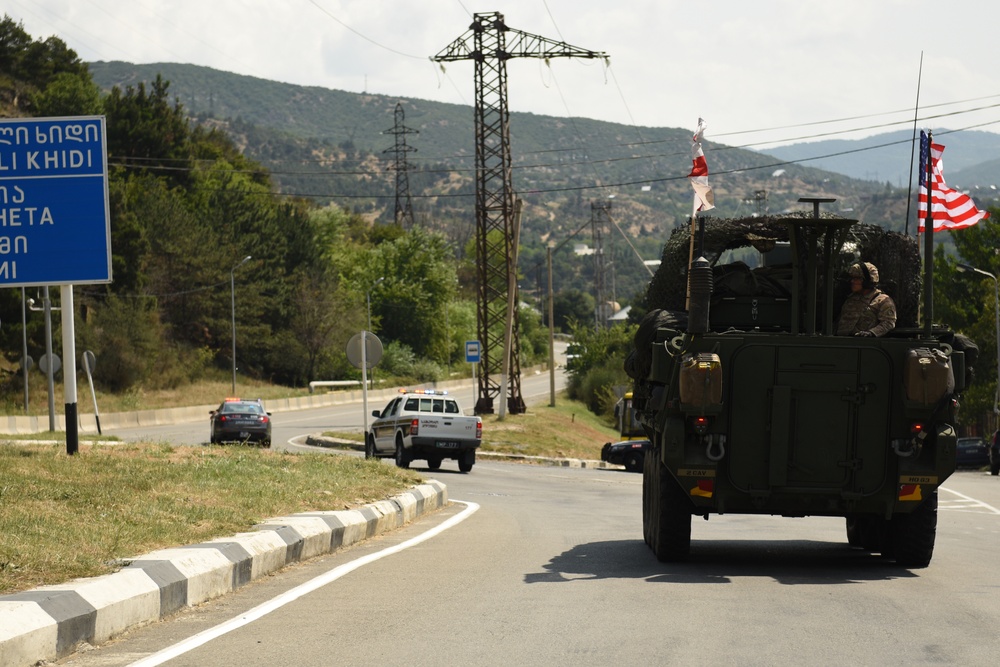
x: 971, y: 453
x: 241, y: 420
x: 628, y: 453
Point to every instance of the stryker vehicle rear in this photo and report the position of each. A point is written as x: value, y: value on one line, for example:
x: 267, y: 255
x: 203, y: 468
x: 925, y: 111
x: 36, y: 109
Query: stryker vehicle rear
x: 754, y: 406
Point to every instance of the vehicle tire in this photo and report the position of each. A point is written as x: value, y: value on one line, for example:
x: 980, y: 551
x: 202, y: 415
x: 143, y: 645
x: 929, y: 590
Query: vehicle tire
x: 370, y: 447
x: 913, y: 534
x: 466, y: 460
x: 873, y: 534
x: 434, y: 462
x: 402, y: 456
x: 854, y: 532
x: 671, y: 519
x: 995, y: 468
x: 648, y: 483
x: 266, y: 444
x: 633, y: 462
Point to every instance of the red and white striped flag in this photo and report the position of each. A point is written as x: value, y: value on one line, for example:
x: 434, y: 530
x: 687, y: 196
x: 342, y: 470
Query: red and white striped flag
x: 949, y: 209
x: 704, y: 198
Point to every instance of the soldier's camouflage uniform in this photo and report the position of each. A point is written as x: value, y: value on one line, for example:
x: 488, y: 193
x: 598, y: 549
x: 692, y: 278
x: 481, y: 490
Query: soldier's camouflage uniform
x: 874, y: 312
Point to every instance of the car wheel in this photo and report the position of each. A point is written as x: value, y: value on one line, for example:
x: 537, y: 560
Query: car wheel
x: 466, y: 460
x: 402, y: 458
x: 370, y: 447
x: 633, y: 462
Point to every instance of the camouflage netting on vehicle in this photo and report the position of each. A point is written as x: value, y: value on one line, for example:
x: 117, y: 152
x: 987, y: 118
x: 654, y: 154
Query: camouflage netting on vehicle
x: 896, y: 256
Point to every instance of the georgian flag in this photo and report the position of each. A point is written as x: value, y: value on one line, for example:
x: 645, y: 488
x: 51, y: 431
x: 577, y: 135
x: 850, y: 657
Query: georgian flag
x: 704, y: 198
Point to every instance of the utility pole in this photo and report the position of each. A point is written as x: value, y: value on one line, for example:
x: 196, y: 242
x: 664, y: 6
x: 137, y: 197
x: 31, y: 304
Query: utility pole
x: 404, y: 205
x: 490, y: 44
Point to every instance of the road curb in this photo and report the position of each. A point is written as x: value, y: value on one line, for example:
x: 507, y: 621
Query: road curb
x: 49, y: 623
x: 341, y: 443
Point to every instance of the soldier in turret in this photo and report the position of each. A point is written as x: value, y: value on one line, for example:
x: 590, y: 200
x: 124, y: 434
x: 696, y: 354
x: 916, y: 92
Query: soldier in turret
x: 868, y: 311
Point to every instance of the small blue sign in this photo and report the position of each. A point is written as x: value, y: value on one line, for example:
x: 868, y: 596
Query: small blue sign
x: 55, y: 225
x: 472, y: 351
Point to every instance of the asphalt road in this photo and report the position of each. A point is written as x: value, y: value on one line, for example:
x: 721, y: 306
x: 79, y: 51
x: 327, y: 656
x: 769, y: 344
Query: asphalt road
x: 550, y: 569
x: 291, y: 428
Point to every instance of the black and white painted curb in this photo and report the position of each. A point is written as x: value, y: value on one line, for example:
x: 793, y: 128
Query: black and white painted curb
x: 49, y: 623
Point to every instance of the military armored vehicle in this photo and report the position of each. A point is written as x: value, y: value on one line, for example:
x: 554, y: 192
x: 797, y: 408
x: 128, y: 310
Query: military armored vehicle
x: 754, y: 406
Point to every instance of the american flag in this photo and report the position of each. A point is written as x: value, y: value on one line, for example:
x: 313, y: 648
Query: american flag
x: 949, y: 209
x: 704, y: 198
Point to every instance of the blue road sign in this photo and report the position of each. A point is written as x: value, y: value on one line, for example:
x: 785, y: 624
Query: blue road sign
x: 472, y: 351
x: 55, y: 226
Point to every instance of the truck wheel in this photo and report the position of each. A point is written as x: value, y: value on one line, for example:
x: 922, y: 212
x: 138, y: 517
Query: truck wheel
x: 913, y: 534
x: 370, y: 447
x: 402, y: 458
x: 671, y: 527
x: 434, y: 462
x: 854, y: 532
x: 467, y: 460
x: 648, y: 483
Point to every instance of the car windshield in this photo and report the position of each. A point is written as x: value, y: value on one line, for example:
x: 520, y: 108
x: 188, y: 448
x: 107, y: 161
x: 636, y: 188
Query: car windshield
x: 240, y: 406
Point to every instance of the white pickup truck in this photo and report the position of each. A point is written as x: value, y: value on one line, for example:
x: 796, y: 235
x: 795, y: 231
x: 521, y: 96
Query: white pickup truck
x: 424, y: 424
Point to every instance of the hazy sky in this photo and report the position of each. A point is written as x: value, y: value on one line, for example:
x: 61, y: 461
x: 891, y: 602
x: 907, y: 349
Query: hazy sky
x: 745, y: 66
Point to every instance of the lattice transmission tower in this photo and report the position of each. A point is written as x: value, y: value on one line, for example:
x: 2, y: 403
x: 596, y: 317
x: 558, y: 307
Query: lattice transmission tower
x: 404, y: 204
x: 490, y: 44
x: 600, y: 223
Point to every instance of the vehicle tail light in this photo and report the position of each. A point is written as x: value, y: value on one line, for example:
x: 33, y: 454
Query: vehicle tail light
x: 700, y: 424
x: 479, y: 429
x: 916, y: 428
x: 414, y: 426
x: 265, y: 418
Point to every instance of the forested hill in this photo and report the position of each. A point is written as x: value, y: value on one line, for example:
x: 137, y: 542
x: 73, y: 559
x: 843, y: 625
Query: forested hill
x: 333, y: 144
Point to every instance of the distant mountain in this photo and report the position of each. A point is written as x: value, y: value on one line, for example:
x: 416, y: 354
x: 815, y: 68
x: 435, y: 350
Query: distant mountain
x: 887, y: 157
x: 335, y: 146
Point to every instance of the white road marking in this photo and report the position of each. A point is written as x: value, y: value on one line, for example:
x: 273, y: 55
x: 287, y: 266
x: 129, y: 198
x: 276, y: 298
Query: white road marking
x: 262, y: 610
x: 967, y: 503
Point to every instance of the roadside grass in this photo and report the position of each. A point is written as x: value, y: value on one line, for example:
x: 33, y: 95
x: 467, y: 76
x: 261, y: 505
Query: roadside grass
x: 204, y: 392
x: 65, y: 517
x: 568, y: 430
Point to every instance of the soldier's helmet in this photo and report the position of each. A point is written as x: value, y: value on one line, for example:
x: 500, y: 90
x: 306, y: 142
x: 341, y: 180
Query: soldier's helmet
x: 869, y: 280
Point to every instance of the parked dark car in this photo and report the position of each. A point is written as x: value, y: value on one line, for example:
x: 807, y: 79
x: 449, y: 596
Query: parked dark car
x: 971, y: 453
x: 628, y: 453
x: 240, y: 420
x: 995, y: 455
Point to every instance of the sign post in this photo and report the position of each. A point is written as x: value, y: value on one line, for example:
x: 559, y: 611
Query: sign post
x: 472, y: 354
x: 55, y: 226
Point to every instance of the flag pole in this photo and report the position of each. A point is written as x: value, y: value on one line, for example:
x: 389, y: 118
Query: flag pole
x: 916, y: 111
x: 929, y: 241
x: 694, y: 216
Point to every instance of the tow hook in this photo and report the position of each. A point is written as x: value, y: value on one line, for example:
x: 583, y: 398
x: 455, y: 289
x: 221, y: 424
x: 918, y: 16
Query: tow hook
x: 911, y: 447
x: 716, y: 443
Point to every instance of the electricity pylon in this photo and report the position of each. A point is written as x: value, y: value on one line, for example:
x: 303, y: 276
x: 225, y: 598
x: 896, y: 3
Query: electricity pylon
x: 490, y: 44
x: 600, y: 214
x: 404, y: 205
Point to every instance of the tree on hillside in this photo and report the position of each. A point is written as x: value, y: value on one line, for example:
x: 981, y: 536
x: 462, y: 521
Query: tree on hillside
x: 28, y: 67
x: 966, y: 303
